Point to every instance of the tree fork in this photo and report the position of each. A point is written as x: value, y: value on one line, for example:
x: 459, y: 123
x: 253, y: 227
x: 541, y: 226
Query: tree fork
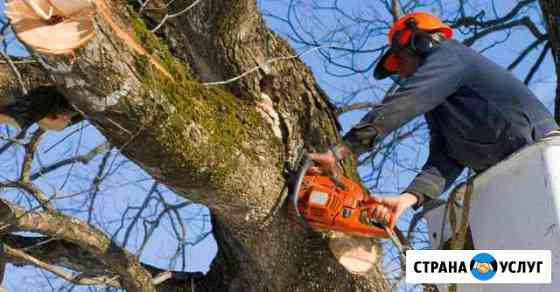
x: 211, y: 144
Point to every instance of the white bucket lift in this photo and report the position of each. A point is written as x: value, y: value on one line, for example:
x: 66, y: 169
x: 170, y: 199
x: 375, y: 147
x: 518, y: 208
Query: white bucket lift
x: 515, y: 205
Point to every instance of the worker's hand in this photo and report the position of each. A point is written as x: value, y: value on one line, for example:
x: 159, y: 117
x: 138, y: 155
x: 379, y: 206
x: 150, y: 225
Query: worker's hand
x: 326, y: 162
x: 391, y: 205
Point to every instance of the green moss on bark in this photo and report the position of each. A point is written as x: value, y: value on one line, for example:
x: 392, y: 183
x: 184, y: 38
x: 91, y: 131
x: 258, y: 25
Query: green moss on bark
x: 185, y: 110
x: 159, y: 50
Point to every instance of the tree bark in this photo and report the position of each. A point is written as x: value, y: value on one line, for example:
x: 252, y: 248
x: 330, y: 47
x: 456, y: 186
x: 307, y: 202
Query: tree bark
x: 551, y: 15
x: 214, y: 144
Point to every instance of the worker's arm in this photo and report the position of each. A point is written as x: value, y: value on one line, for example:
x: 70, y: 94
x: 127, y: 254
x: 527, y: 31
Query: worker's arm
x: 437, y: 78
x: 438, y: 173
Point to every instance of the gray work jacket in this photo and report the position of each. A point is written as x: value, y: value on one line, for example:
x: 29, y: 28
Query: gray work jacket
x: 477, y: 112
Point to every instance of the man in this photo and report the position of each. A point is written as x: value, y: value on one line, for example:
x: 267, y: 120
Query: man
x: 478, y: 113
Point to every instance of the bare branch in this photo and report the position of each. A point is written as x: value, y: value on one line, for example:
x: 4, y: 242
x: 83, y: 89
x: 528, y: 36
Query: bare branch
x: 537, y: 64
x: 270, y: 61
x: 132, y: 275
x: 395, y: 9
x: 57, y: 252
x: 169, y: 16
x: 20, y: 256
x: 84, y: 159
x: 355, y: 106
x: 15, y: 70
x: 474, y: 20
x: 30, y: 149
x: 44, y: 201
x: 525, y: 21
x: 525, y: 52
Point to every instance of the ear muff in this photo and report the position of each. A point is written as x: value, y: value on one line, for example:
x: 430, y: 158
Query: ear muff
x: 421, y: 43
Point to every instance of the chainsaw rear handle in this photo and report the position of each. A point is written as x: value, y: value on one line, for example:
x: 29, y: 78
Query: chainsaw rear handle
x: 370, y: 205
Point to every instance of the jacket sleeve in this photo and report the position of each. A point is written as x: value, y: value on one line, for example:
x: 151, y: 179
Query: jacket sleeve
x: 438, y: 77
x: 439, y: 171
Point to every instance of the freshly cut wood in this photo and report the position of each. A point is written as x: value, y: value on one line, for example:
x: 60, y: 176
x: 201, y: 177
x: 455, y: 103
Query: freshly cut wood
x: 357, y: 254
x: 52, y: 27
x: 74, y: 7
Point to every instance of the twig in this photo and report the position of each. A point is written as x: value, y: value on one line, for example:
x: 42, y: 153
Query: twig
x: 157, y: 8
x: 12, y: 140
x: 270, y: 61
x: 168, y: 16
x: 14, y: 69
x: 537, y: 64
x: 97, y: 180
x: 30, y: 149
x: 20, y: 62
x: 395, y: 11
x: 162, y: 277
x: 525, y: 52
x: 18, y: 137
x: 30, y: 188
x: 84, y: 159
x: 355, y: 106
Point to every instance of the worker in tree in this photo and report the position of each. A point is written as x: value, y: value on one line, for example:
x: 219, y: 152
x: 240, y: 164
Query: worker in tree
x: 477, y: 112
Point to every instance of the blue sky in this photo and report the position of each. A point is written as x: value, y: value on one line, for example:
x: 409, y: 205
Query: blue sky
x: 116, y: 194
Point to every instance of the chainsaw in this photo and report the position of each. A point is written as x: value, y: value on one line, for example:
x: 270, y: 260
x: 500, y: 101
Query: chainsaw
x: 326, y: 203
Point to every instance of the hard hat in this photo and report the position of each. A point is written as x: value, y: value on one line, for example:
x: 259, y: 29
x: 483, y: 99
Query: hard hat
x: 424, y: 21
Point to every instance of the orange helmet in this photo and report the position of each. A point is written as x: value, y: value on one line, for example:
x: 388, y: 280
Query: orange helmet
x: 424, y: 21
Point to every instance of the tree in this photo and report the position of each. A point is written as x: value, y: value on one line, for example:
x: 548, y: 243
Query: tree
x: 208, y: 143
x: 551, y: 11
x: 212, y: 103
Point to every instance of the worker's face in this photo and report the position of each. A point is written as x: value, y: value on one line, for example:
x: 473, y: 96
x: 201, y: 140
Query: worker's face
x: 408, y: 63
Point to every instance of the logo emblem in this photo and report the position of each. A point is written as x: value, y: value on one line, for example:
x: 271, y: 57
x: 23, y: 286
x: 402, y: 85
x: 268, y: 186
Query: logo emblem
x: 483, y: 266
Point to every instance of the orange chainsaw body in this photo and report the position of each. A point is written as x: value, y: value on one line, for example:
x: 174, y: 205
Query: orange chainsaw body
x: 344, y: 207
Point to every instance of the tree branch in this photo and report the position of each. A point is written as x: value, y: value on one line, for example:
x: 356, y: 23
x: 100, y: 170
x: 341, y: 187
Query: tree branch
x: 537, y: 64
x: 19, y: 256
x: 133, y: 276
x: 355, y: 106
x: 395, y: 9
x: 57, y: 252
x: 173, y: 15
x: 15, y: 70
x: 525, y: 21
x: 525, y: 52
x: 474, y: 20
x: 84, y: 159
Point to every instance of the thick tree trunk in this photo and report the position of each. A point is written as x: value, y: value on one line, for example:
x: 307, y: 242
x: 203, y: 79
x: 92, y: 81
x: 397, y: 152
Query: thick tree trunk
x: 213, y: 144
x: 551, y: 14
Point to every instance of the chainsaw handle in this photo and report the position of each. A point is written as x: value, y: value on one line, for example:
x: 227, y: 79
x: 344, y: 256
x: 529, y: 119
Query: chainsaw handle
x: 336, y: 181
x: 307, y: 163
x: 369, y: 204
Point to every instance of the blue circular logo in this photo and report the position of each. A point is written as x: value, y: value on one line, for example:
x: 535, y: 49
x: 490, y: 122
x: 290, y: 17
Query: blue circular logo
x: 483, y: 266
